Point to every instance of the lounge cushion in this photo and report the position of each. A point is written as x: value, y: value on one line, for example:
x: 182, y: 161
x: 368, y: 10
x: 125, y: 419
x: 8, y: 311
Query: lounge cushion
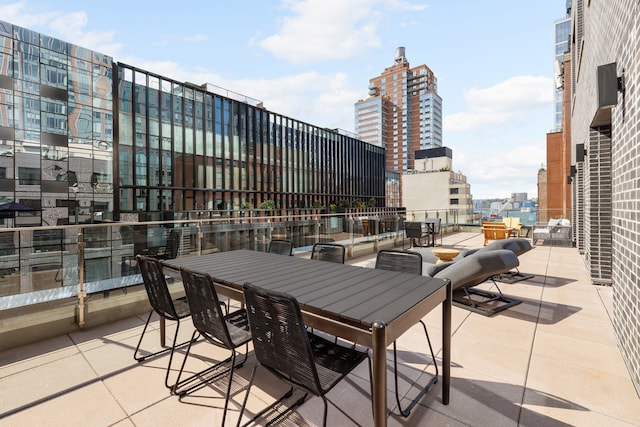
x: 473, y: 270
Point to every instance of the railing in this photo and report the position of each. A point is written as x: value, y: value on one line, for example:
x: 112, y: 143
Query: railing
x: 40, y: 264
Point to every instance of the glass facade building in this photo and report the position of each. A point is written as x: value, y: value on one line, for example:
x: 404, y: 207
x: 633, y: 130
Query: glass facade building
x: 85, y: 138
x: 561, y: 34
x: 56, y: 127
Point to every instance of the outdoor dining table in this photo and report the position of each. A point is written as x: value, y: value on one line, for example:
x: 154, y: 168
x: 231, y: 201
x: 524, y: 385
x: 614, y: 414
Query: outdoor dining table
x: 363, y: 305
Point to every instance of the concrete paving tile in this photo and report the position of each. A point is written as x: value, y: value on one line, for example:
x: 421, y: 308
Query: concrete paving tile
x: 502, y: 362
x: 550, y: 414
x: 45, y: 382
x: 424, y: 417
x: 476, y: 400
x: 553, y: 383
x: 30, y: 356
x: 579, y: 327
x: 501, y: 331
x: 582, y: 353
x: 91, y: 405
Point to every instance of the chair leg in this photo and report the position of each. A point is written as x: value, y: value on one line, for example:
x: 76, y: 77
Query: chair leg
x: 407, y: 411
x: 288, y: 394
x: 179, y: 383
x: 135, y: 353
x: 173, y: 348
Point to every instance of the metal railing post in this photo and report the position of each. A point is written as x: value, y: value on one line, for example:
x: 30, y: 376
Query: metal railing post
x: 81, y: 308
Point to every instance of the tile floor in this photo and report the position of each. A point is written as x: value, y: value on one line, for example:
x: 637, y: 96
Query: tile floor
x: 550, y: 361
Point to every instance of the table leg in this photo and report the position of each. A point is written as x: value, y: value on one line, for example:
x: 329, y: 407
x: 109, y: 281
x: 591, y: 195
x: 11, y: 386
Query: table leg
x: 379, y: 379
x: 163, y: 336
x: 446, y: 345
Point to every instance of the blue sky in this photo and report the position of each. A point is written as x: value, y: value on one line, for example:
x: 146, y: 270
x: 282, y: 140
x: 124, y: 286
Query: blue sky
x: 312, y: 60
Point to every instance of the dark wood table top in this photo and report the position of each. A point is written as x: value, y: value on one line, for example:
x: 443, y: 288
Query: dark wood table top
x: 351, y: 294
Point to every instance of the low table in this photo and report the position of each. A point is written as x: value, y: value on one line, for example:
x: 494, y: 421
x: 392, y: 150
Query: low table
x: 444, y: 254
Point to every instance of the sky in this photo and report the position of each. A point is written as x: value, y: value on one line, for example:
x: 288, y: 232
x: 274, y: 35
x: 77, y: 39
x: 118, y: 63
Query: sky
x: 312, y: 60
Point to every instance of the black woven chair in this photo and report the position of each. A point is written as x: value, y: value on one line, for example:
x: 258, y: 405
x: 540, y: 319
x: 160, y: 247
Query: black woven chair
x: 408, y: 262
x: 162, y: 303
x: 228, y: 331
x: 331, y: 252
x: 283, y: 346
x: 281, y: 247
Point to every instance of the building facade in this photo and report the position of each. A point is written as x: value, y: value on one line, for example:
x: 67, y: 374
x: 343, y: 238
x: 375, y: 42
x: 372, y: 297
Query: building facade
x: 432, y: 186
x: 557, y: 201
x: 561, y: 34
x: 605, y: 155
x: 85, y: 138
x: 403, y: 113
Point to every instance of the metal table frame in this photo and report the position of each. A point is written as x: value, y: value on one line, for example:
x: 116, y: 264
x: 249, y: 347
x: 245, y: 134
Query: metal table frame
x: 365, y: 306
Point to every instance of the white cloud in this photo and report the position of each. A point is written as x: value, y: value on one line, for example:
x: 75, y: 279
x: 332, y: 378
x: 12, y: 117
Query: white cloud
x: 320, y: 30
x: 501, y: 103
x: 68, y: 26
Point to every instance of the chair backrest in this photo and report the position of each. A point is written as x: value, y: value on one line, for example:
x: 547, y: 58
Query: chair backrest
x: 204, y: 305
x: 395, y: 260
x: 494, y: 230
x: 173, y: 244
x: 413, y: 229
x: 331, y: 252
x: 280, y: 340
x: 518, y: 246
x: 280, y: 247
x: 436, y: 224
x: 156, y: 286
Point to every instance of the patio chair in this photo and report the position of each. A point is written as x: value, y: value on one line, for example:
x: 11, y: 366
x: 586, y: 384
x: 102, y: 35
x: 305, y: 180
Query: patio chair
x: 475, y: 269
x: 494, y: 231
x: 228, y: 331
x: 518, y: 246
x: 331, y: 252
x: 407, y: 262
x: 435, y: 227
x: 173, y: 245
x: 415, y: 234
x: 280, y: 247
x: 162, y: 303
x: 283, y: 347
x: 556, y: 230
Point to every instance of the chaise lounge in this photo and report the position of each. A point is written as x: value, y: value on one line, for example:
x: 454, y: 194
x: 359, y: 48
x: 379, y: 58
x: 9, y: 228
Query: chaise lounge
x: 473, y: 270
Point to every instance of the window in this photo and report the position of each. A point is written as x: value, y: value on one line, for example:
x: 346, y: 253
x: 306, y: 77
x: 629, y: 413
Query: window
x: 28, y: 176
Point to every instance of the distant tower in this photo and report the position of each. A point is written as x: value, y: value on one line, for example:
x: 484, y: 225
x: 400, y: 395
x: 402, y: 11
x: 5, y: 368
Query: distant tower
x: 403, y: 113
x: 561, y: 32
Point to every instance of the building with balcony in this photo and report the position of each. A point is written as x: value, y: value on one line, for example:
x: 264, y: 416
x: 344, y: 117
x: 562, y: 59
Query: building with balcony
x: 84, y: 138
x: 403, y: 113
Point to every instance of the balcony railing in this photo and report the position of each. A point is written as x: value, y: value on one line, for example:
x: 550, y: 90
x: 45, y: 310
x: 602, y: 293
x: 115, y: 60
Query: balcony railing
x: 46, y: 267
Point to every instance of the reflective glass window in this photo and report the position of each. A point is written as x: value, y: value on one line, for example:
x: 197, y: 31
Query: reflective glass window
x: 6, y: 64
x: 28, y: 176
x: 26, y: 66
x: 6, y: 108
x: 80, y: 122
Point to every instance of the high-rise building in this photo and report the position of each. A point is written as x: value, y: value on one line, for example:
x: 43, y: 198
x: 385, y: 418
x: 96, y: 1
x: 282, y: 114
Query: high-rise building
x: 554, y: 195
x: 403, y: 113
x: 561, y: 32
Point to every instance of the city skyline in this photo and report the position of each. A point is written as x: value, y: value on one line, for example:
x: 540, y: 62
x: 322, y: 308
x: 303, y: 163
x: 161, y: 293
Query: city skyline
x: 495, y: 74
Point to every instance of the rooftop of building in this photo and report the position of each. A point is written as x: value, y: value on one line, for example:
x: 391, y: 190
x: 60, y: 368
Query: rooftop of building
x: 552, y: 360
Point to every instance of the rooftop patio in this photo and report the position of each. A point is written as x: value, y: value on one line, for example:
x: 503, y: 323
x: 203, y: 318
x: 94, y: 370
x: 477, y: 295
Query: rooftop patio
x: 552, y: 360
